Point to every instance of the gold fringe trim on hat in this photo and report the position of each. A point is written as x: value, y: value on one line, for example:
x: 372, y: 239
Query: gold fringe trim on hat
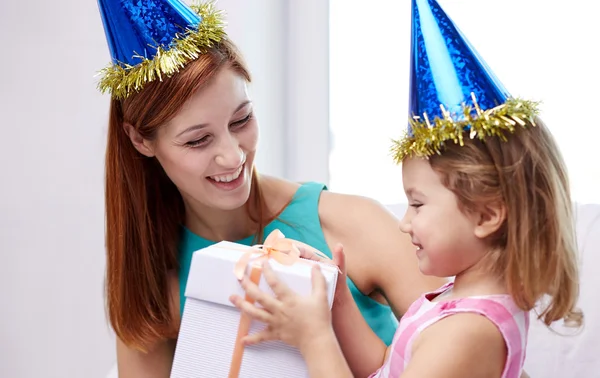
x: 429, y: 136
x: 121, y: 80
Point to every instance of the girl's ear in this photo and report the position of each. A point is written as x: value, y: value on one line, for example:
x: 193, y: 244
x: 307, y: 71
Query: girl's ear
x: 490, y: 219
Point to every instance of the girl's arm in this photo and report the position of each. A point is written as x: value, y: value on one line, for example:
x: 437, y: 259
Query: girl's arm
x: 461, y: 345
x: 324, y: 358
x: 362, y: 348
x: 364, y: 351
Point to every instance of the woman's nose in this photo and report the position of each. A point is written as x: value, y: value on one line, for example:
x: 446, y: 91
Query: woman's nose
x: 230, y: 155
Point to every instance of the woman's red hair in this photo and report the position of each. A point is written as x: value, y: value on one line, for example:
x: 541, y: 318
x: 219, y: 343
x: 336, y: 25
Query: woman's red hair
x: 144, y: 210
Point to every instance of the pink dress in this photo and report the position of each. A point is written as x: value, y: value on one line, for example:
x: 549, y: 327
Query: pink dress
x: 512, y: 322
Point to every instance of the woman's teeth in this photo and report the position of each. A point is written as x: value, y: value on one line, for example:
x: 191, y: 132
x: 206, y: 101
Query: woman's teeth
x: 228, y: 178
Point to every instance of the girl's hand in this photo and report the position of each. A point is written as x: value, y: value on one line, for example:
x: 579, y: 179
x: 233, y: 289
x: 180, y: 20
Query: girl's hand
x: 296, y: 320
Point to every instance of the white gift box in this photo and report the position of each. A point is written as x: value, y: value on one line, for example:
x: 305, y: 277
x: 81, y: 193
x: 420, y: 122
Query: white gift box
x: 210, y: 322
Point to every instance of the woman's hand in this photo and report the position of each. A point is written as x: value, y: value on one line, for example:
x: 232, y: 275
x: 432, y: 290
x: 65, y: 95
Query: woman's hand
x: 300, y: 321
x: 341, y: 289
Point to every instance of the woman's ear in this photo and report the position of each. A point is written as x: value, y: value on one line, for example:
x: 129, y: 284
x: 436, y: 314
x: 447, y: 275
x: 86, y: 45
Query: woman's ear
x: 142, y: 145
x: 490, y: 219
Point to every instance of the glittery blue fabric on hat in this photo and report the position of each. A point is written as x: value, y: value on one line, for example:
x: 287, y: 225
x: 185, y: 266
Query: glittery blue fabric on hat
x: 135, y: 27
x: 445, y: 69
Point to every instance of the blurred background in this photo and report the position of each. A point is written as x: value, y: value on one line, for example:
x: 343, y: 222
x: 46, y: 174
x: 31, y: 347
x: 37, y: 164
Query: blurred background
x: 330, y: 91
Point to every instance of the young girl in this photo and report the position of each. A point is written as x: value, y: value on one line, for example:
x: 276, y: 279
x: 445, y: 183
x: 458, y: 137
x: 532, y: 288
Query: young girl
x: 491, y: 209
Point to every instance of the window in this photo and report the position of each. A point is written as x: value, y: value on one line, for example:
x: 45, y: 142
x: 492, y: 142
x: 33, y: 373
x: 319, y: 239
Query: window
x: 545, y: 56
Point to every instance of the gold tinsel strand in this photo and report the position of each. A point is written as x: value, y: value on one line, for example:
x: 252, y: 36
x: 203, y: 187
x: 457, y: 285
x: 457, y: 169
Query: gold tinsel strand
x: 120, y: 80
x: 428, y: 137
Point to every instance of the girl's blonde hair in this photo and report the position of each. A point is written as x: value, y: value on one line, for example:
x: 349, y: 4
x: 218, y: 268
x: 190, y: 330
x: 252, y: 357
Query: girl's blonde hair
x: 537, y: 242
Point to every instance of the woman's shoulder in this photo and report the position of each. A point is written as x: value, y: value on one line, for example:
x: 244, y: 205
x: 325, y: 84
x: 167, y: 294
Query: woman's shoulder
x: 277, y: 192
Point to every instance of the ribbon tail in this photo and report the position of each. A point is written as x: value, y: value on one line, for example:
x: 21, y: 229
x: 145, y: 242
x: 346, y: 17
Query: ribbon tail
x: 240, y: 266
x: 243, y: 330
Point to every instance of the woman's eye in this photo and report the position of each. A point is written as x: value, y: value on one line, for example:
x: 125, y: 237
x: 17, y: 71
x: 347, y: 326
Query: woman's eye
x: 197, y: 142
x: 243, y: 121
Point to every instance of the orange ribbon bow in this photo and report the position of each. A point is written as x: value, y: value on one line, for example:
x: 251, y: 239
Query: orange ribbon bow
x: 275, y: 247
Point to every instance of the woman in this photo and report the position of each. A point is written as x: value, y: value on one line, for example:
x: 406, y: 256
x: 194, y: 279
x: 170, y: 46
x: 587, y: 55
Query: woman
x: 180, y: 176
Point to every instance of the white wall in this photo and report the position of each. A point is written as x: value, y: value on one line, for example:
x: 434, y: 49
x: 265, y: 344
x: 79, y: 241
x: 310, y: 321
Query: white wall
x: 53, y: 120
x: 52, y: 322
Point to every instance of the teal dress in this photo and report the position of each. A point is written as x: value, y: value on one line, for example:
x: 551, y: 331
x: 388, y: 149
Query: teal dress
x: 299, y: 221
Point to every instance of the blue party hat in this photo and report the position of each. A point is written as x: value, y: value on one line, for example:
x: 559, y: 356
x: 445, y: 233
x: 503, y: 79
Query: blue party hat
x: 453, y: 92
x: 152, y: 39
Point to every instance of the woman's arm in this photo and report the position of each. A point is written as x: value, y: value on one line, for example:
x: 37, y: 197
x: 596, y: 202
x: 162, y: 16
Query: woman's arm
x: 156, y: 363
x: 158, y: 360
